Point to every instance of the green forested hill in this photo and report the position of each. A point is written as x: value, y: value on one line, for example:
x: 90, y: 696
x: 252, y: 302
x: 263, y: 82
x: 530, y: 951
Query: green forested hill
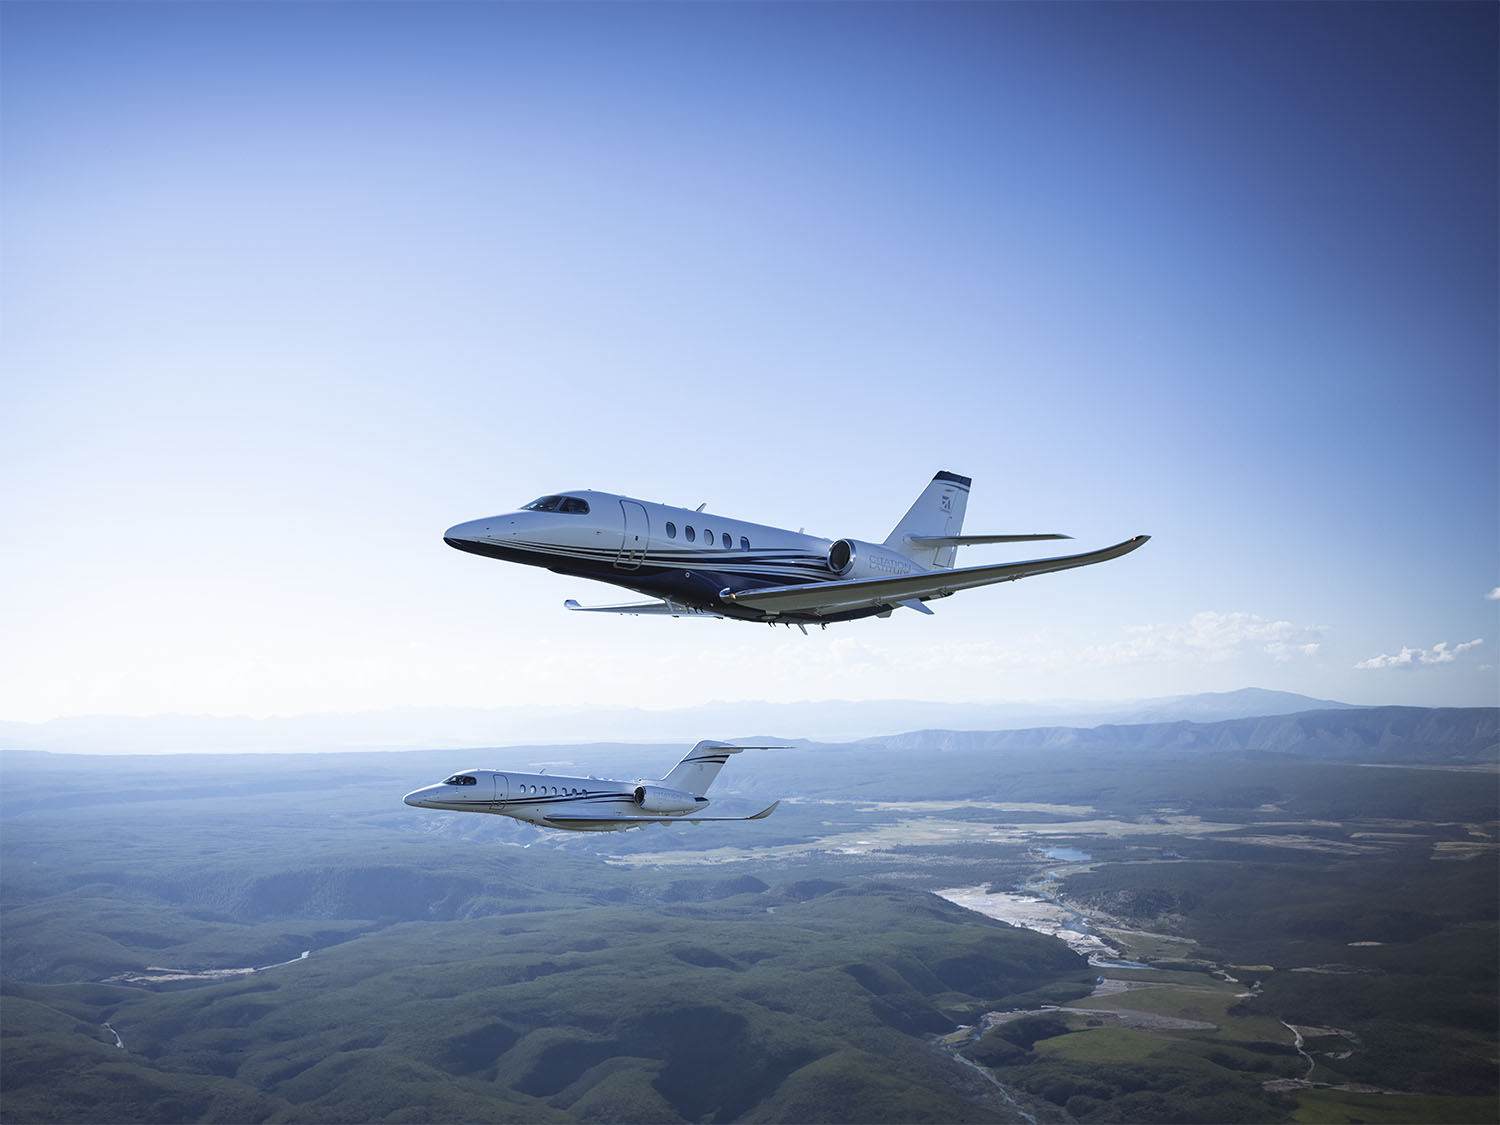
x: 722, y: 1011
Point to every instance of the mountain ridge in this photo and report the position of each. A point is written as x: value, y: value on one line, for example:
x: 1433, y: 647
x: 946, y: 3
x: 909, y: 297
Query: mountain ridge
x: 1448, y: 735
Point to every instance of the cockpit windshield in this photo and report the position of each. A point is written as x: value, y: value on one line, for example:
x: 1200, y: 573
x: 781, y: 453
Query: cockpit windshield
x: 568, y: 505
x: 461, y: 779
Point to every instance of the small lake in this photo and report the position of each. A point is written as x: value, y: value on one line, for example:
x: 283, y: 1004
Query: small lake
x: 1067, y: 855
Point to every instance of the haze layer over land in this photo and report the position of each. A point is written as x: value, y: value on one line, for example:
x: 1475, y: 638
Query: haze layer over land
x: 414, y: 728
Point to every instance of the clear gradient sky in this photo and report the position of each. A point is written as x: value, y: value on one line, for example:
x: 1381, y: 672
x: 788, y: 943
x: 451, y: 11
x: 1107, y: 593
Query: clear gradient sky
x: 290, y: 288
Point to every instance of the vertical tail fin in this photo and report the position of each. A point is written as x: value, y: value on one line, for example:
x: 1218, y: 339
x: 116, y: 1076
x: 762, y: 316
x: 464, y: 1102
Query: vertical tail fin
x: 696, y: 772
x: 938, y: 511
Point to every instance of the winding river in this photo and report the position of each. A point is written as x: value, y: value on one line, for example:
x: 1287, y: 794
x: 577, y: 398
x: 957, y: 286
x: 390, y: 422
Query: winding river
x: 1037, y: 906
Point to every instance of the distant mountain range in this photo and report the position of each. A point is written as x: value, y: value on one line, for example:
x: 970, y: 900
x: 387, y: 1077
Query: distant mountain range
x: 410, y: 728
x: 1408, y: 735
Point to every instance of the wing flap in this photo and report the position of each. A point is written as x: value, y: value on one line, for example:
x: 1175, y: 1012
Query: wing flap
x: 671, y: 609
x: 975, y: 540
x: 854, y: 593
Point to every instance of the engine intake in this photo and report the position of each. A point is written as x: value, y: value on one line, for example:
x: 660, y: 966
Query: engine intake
x: 854, y: 558
x: 662, y: 801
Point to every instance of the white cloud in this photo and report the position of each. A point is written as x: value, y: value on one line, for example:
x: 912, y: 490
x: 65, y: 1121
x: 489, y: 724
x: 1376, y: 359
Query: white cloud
x: 1439, y: 653
x: 1210, y: 637
x: 1493, y: 595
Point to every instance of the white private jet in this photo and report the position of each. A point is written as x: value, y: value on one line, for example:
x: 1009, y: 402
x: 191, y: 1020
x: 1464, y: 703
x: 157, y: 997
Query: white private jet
x: 590, y: 804
x: 710, y: 566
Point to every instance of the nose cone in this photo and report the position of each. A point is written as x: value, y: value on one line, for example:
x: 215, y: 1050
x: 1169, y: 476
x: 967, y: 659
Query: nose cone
x: 416, y: 798
x: 463, y: 535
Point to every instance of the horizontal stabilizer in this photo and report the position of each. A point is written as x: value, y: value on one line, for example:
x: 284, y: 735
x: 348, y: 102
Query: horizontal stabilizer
x: 669, y: 609
x: 857, y: 593
x: 976, y: 540
x: 607, y: 821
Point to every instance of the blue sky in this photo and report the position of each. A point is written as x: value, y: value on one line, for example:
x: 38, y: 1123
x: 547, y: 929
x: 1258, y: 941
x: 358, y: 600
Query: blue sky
x: 290, y: 288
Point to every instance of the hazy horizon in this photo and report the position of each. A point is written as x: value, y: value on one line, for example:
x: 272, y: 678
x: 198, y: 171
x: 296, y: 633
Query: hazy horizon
x: 424, y: 728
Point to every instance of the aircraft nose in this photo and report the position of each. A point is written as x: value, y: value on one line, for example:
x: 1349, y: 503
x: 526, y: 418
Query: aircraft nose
x: 460, y: 533
x: 414, y: 798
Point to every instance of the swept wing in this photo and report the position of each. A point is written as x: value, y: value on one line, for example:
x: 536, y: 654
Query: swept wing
x: 606, y: 821
x: 819, y: 597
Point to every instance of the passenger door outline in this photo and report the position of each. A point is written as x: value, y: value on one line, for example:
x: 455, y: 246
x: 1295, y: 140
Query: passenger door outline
x: 634, y: 538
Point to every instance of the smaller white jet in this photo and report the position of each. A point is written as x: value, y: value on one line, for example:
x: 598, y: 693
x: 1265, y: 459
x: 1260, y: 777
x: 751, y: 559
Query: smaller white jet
x: 590, y: 804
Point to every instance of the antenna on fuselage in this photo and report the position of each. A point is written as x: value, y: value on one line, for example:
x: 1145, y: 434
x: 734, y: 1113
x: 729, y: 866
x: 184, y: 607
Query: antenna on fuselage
x: 701, y: 506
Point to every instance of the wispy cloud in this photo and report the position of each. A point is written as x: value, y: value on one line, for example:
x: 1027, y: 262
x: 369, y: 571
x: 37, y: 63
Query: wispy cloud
x: 1493, y: 595
x: 1210, y: 636
x: 1439, y: 653
x: 1206, y: 637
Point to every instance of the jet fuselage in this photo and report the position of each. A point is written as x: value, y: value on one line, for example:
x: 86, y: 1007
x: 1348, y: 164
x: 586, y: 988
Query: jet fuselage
x: 675, y: 554
x: 533, y: 797
x: 699, y: 564
x: 589, y: 804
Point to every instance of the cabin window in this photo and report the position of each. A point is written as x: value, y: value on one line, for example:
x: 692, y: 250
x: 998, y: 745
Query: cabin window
x: 689, y: 534
x: 574, y: 506
x: 671, y: 530
x: 744, y: 543
x: 727, y: 541
x: 708, y: 536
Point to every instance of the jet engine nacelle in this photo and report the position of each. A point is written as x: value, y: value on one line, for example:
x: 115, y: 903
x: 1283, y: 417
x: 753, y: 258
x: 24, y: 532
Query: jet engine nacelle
x: 854, y: 558
x: 665, y: 802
